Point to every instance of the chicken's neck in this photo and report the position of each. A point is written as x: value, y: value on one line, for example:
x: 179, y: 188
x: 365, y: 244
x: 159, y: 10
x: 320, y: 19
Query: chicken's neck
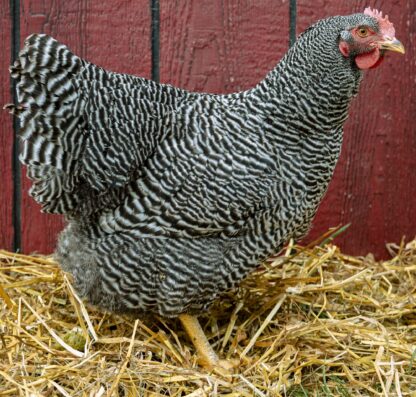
x: 309, y: 90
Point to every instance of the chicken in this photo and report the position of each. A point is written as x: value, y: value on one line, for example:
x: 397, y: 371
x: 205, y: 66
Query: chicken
x: 172, y: 197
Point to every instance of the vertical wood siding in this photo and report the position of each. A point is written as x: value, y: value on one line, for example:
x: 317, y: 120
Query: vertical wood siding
x: 6, y: 131
x: 222, y: 46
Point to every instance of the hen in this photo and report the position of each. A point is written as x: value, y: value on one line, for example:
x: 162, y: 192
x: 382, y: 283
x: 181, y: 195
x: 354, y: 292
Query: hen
x: 172, y: 197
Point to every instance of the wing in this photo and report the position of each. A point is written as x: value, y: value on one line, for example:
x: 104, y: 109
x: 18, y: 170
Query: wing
x: 125, y: 121
x: 208, y: 179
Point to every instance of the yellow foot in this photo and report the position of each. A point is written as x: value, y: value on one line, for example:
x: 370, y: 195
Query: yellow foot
x: 206, y: 355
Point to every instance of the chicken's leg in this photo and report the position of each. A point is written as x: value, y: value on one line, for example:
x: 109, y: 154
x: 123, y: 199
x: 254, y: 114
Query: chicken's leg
x: 207, y: 357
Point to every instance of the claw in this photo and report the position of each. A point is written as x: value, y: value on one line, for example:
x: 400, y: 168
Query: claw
x: 226, y: 367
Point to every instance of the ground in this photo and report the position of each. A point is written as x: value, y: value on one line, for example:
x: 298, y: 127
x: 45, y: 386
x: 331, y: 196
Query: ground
x: 314, y: 322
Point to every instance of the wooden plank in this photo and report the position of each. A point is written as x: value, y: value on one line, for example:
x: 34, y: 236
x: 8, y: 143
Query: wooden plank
x: 6, y: 131
x: 221, y: 46
x: 115, y: 35
x: 374, y: 186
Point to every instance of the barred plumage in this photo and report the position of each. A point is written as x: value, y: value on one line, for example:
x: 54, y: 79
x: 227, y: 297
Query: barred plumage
x: 172, y: 197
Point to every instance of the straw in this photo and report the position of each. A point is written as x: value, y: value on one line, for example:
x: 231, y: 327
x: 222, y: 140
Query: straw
x: 312, y: 322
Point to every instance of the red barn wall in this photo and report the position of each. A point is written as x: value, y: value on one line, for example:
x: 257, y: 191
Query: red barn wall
x: 222, y: 46
x: 6, y: 131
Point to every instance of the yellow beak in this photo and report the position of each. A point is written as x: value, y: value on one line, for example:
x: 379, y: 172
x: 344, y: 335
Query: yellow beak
x: 392, y: 45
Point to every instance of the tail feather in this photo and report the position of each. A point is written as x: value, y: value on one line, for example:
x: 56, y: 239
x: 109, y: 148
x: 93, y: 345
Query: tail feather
x: 85, y: 131
x: 51, y: 128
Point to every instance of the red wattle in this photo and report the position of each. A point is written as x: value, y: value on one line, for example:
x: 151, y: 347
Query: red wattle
x: 378, y: 62
x: 369, y: 60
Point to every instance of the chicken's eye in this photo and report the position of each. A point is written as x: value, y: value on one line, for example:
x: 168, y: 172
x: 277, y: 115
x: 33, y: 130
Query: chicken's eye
x: 363, y: 32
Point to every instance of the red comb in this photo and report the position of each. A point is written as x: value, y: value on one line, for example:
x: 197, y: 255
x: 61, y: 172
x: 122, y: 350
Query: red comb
x: 386, y: 27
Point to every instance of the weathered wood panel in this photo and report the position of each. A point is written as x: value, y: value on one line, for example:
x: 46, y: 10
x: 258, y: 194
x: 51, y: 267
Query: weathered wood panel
x: 112, y: 34
x: 374, y: 186
x: 221, y: 46
x: 6, y: 131
x: 224, y: 46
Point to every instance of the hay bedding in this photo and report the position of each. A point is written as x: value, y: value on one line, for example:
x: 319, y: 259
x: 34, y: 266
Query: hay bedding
x: 314, y: 322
